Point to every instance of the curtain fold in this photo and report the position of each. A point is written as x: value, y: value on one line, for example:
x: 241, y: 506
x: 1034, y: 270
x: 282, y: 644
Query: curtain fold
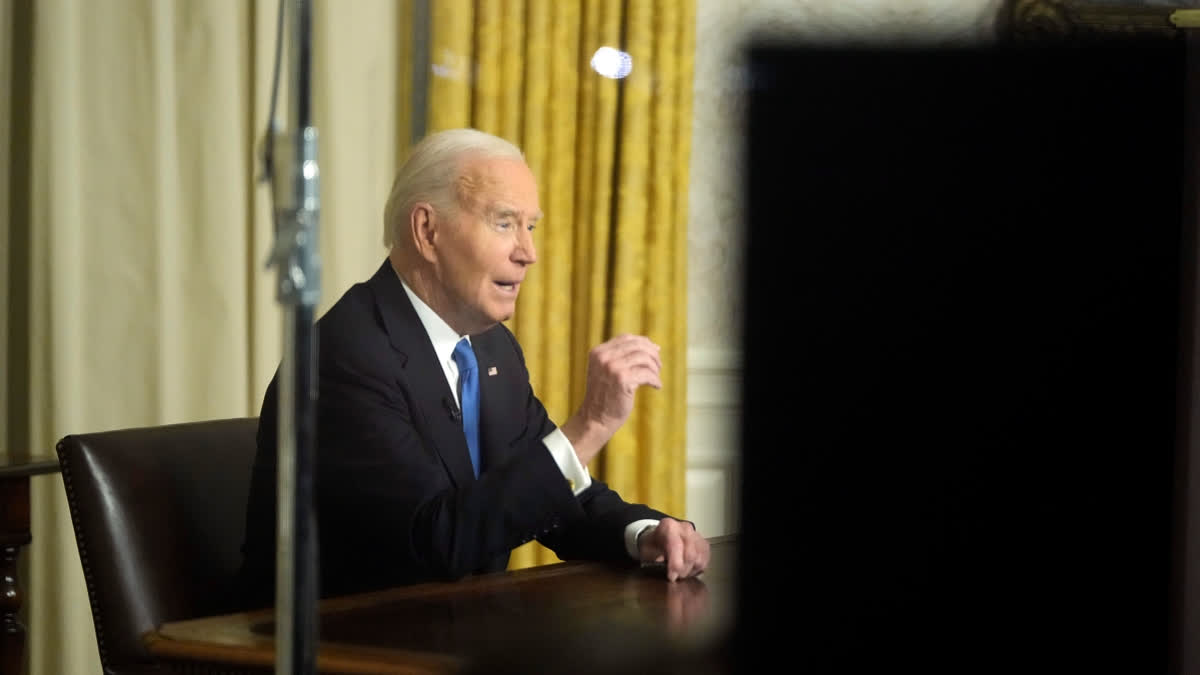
x: 649, y: 235
x: 608, y: 155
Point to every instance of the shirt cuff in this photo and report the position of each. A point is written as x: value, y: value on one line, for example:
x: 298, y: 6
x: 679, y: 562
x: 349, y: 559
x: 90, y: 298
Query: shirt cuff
x: 568, y: 462
x: 632, y: 531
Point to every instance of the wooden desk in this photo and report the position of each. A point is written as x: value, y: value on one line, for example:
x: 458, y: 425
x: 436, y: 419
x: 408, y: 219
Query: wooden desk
x: 15, y: 534
x: 573, y: 617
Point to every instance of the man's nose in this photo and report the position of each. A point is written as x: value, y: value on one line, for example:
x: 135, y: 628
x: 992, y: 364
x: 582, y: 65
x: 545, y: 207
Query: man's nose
x: 526, y: 251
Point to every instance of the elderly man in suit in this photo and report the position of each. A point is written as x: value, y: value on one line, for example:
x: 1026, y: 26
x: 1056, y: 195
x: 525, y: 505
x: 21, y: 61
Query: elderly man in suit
x: 434, y: 458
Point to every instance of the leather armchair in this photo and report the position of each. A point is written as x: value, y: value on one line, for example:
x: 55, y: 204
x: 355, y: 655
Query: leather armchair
x: 158, y: 514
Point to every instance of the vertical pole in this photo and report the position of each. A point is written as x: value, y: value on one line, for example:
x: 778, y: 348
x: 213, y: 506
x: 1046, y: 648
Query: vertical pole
x: 299, y: 289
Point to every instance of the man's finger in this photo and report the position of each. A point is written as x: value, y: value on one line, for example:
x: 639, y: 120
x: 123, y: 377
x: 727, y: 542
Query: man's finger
x: 674, y: 546
x: 629, y: 356
x: 639, y: 378
x: 630, y: 338
x: 633, y: 363
x: 689, y: 556
x: 625, y: 340
x: 703, y: 551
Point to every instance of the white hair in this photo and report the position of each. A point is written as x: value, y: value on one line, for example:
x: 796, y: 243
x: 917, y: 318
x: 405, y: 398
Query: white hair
x: 431, y: 172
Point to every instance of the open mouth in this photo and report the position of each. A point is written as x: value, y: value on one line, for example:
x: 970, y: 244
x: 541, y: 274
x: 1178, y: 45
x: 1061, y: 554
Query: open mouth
x: 507, y: 286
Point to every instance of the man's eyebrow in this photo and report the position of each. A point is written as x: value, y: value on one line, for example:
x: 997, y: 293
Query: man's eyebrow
x: 509, y: 212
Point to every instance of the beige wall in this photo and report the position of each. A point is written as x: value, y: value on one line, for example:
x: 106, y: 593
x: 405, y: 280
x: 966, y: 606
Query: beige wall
x: 716, y: 221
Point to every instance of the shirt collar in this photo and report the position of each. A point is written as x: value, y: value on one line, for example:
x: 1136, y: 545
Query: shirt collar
x: 443, y: 337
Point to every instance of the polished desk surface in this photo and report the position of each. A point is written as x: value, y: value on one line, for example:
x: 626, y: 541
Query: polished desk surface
x: 577, y: 615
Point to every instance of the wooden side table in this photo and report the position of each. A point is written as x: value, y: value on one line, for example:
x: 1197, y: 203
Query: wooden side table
x: 14, y: 534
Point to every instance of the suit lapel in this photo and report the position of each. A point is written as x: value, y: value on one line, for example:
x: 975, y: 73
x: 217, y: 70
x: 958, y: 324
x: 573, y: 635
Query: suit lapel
x: 423, y: 374
x: 500, y: 409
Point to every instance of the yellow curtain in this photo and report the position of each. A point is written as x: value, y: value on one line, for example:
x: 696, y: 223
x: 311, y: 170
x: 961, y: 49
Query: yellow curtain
x: 612, y: 158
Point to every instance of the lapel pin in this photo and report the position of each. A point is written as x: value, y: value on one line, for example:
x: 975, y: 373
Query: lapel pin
x: 492, y: 370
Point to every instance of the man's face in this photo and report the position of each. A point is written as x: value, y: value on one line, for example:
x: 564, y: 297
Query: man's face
x: 487, y: 247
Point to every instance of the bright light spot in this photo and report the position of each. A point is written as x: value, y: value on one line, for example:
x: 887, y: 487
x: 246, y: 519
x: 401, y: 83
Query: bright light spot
x: 612, y: 63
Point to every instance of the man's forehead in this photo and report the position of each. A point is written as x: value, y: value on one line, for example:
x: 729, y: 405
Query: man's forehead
x: 499, y: 185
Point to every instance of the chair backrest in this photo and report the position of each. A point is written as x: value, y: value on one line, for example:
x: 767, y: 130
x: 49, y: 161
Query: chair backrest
x: 159, y: 514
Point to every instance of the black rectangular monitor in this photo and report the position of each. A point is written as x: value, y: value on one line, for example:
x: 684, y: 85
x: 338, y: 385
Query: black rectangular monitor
x: 964, y: 314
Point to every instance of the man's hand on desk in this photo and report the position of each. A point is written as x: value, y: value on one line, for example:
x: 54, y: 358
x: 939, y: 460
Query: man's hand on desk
x: 677, y: 545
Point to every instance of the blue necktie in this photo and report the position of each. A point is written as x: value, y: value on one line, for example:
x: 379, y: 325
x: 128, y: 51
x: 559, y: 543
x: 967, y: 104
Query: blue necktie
x: 468, y: 381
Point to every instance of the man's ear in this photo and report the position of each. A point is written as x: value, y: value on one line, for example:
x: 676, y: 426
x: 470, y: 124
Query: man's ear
x: 422, y: 223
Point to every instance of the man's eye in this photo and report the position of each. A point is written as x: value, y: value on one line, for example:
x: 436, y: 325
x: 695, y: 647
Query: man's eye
x: 503, y: 224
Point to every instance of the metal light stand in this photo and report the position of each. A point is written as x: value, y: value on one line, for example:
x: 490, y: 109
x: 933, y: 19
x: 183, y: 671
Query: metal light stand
x: 295, y: 255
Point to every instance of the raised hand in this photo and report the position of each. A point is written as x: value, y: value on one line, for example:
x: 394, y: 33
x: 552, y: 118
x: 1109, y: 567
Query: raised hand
x: 616, y: 369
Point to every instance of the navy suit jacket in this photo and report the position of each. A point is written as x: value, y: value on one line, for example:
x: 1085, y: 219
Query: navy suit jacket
x: 396, y: 498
